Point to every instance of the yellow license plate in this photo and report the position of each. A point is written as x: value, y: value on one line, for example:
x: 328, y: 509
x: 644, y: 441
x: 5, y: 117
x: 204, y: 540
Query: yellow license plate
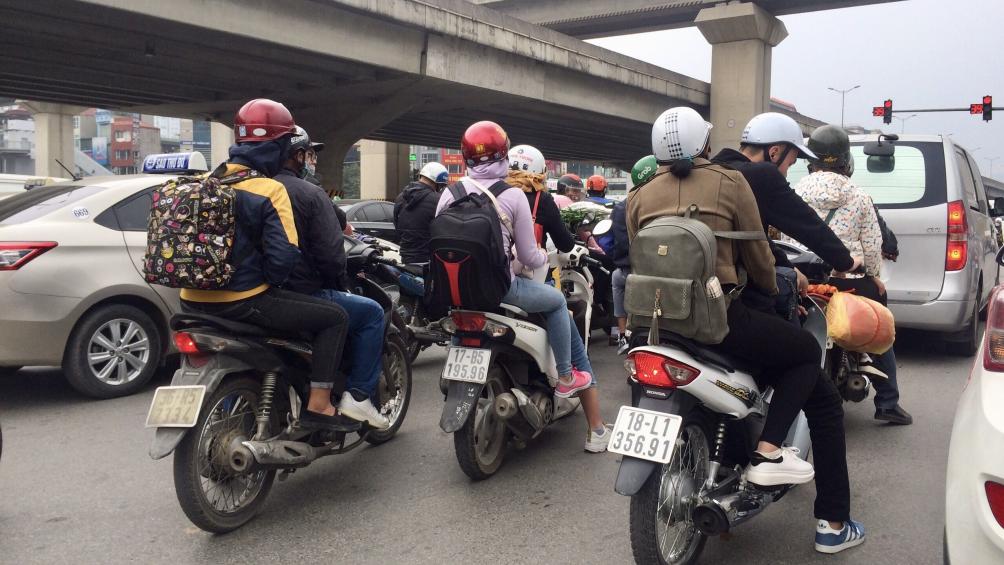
x: 175, y: 406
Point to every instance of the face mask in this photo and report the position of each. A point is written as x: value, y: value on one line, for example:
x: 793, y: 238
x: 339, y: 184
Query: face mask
x: 307, y: 170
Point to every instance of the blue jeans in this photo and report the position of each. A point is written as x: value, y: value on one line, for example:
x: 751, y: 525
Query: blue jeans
x: 365, y: 339
x: 566, y: 344
x: 619, y: 282
x: 886, y: 391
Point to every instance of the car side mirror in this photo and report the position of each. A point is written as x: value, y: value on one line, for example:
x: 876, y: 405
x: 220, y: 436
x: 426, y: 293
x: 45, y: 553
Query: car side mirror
x: 997, y: 210
x: 1000, y: 257
x: 602, y: 227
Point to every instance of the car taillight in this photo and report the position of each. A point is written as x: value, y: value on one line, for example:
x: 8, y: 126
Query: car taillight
x: 15, y: 254
x: 186, y: 344
x: 993, y: 346
x: 995, y: 497
x: 957, y: 251
x: 655, y: 370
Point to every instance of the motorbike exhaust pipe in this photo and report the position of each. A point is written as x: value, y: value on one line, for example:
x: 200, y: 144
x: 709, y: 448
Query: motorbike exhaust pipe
x: 857, y: 388
x: 719, y: 515
x: 278, y: 453
x: 506, y: 406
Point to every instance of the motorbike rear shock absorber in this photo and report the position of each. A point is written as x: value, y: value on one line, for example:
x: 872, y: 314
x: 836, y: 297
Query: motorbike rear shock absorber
x: 715, y: 462
x: 268, y: 385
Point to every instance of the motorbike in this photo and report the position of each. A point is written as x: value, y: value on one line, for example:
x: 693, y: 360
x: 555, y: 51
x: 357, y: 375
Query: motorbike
x: 601, y: 270
x: 694, y: 420
x: 231, y: 415
x: 499, y: 377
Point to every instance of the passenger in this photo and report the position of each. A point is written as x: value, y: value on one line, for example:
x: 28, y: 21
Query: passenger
x: 266, y: 244
x: 851, y: 214
x: 789, y: 356
x: 485, y: 147
x: 570, y: 186
x: 321, y: 273
x: 597, y: 190
x: 414, y: 210
x: 528, y: 172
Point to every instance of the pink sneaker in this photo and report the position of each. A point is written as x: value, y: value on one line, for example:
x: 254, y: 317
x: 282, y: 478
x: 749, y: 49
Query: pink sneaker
x: 580, y: 381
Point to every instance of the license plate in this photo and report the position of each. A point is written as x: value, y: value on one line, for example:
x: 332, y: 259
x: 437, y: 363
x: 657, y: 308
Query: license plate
x: 645, y: 434
x: 467, y: 364
x: 175, y: 406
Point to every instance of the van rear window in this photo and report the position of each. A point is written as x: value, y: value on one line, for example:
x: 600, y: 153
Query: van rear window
x: 916, y: 180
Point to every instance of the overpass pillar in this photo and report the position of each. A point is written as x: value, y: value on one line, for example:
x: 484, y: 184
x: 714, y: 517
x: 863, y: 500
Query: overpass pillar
x: 742, y: 38
x: 53, y: 137
x: 384, y: 169
x: 221, y: 137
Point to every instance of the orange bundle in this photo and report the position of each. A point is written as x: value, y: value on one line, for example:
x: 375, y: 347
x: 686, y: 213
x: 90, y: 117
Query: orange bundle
x: 822, y: 289
x: 859, y: 324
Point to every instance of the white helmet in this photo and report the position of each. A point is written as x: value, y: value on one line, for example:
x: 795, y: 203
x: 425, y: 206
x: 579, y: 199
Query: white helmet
x: 679, y: 133
x: 772, y: 128
x: 527, y: 158
x: 435, y: 172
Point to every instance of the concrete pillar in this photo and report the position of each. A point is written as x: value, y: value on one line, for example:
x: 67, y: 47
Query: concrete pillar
x: 221, y: 137
x: 742, y: 38
x: 53, y: 137
x: 384, y: 169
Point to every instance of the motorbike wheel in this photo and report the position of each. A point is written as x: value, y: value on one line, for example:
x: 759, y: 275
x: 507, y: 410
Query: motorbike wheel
x: 482, y: 441
x: 662, y: 530
x: 413, y: 349
x: 215, y: 498
x: 393, y: 389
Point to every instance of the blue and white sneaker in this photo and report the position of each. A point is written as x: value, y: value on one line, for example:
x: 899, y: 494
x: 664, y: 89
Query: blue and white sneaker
x: 829, y: 540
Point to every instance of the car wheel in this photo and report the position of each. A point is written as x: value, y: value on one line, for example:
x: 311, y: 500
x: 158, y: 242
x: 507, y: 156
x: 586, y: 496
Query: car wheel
x: 7, y: 371
x: 968, y: 341
x: 113, y: 351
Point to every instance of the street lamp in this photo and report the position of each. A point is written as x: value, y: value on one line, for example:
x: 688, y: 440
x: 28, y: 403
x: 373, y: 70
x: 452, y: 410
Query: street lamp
x: 991, y: 160
x: 843, y: 95
x: 903, y: 121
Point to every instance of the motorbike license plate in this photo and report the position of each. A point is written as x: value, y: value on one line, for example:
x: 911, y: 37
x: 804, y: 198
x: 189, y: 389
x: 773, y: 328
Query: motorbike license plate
x: 467, y: 364
x: 175, y: 406
x: 645, y: 434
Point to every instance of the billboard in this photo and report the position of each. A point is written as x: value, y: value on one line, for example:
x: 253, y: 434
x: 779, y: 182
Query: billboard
x: 99, y: 149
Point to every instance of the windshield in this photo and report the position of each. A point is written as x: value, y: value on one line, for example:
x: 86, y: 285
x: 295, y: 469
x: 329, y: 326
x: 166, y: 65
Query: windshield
x: 38, y: 202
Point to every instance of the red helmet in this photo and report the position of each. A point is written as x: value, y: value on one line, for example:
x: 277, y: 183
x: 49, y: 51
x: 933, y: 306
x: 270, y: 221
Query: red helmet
x: 484, y: 142
x: 596, y: 183
x: 262, y: 120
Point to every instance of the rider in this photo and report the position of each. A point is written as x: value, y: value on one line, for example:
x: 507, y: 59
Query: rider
x: 597, y: 189
x: 528, y: 172
x: 266, y: 243
x: 788, y: 356
x: 414, y: 210
x: 321, y: 273
x: 485, y: 147
x: 570, y: 186
x: 849, y: 211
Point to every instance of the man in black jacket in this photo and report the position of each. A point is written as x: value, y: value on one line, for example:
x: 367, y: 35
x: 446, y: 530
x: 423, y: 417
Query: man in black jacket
x: 414, y: 210
x: 321, y: 273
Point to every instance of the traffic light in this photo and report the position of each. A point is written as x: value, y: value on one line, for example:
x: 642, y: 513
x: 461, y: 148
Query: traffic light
x: 887, y: 112
x: 988, y: 108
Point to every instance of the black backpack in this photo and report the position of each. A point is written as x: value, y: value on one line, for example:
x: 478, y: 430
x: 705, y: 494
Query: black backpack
x: 470, y: 265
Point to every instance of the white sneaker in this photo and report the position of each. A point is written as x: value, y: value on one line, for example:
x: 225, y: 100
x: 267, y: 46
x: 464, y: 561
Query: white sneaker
x: 622, y: 345
x: 866, y: 365
x: 597, y: 443
x: 785, y: 468
x: 362, y: 412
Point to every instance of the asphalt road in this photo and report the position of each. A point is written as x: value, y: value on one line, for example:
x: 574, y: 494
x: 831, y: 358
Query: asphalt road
x: 76, y: 485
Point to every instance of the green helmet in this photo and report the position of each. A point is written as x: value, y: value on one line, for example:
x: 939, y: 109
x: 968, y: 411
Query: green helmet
x: 832, y: 148
x: 644, y: 170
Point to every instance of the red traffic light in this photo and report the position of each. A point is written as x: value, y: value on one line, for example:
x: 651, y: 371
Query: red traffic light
x: 988, y: 100
x: 888, y: 104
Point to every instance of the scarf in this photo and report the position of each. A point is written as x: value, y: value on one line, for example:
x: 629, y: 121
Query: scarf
x: 525, y: 181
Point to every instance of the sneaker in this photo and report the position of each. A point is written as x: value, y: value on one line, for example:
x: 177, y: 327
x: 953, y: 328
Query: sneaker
x: 597, y: 443
x: 829, y: 540
x: 622, y: 345
x: 785, y: 468
x: 580, y: 381
x: 362, y: 411
x: 894, y: 415
x: 867, y: 366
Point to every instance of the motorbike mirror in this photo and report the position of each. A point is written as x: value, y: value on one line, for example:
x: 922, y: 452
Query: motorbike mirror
x: 602, y: 227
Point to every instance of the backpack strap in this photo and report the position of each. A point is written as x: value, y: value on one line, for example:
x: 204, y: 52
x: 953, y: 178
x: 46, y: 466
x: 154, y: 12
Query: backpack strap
x: 457, y: 190
x: 536, y: 204
x: 492, y: 192
x: 829, y: 217
x: 693, y: 211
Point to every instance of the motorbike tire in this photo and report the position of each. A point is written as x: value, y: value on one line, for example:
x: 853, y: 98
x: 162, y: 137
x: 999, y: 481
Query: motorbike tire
x: 645, y: 521
x: 188, y: 472
x: 466, y: 439
x: 396, y: 358
x: 413, y: 349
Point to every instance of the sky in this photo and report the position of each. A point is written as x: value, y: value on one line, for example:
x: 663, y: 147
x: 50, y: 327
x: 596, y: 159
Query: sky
x: 919, y: 53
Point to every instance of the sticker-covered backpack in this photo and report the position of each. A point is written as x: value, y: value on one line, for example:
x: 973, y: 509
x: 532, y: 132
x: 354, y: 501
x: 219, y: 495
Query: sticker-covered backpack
x: 191, y: 232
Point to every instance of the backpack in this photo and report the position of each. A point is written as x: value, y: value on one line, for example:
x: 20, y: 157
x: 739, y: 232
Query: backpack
x: 191, y: 231
x: 470, y: 265
x: 672, y: 285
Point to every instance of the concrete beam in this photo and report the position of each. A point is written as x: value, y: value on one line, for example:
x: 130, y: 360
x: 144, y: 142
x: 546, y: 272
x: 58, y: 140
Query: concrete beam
x: 221, y: 137
x: 384, y: 169
x: 53, y: 137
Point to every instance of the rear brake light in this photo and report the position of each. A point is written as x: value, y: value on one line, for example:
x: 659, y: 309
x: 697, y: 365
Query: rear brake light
x: 655, y: 370
x: 465, y: 321
x: 957, y: 252
x: 186, y: 344
x: 15, y: 254
x: 993, y: 346
x: 995, y: 497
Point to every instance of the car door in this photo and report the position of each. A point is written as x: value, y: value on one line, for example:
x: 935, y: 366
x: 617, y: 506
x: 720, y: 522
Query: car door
x: 133, y: 216
x: 382, y: 214
x: 989, y: 234
x: 981, y: 249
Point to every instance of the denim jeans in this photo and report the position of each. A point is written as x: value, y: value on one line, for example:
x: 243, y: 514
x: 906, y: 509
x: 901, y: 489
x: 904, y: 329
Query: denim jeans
x: 566, y: 344
x: 619, y: 281
x: 365, y: 339
x: 886, y: 391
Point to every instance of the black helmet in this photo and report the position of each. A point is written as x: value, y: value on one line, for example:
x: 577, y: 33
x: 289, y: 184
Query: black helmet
x: 299, y: 141
x: 832, y: 148
x: 569, y: 181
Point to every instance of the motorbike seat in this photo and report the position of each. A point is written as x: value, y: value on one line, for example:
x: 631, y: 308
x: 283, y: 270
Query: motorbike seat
x: 193, y: 320
x: 520, y: 314
x: 417, y: 269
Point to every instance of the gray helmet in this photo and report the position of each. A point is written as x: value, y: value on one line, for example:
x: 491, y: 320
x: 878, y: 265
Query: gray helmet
x: 300, y: 140
x: 832, y: 148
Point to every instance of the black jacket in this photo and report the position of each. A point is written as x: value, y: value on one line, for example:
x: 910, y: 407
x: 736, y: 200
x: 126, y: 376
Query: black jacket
x: 621, y: 255
x: 781, y: 207
x: 549, y: 217
x: 322, y: 263
x: 414, y: 210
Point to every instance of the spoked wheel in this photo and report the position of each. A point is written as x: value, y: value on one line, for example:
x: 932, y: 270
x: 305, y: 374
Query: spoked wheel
x: 662, y: 531
x: 482, y: 441
x: 214, y: 496
x: 394, y: 388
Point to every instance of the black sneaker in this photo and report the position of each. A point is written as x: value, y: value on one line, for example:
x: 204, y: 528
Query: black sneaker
x: 895, y: 415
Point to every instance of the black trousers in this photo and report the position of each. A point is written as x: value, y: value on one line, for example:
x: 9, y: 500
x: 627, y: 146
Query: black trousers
x: 293, y: 312
x: 790, y: 361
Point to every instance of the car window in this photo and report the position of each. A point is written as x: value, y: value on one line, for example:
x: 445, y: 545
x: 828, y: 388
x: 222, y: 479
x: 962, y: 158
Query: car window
x: 38, y: 202
x: 967, y: 180
x: 359, y: 213
x: 381, y: 212
x: 133, y: 214
x: 916, y: 180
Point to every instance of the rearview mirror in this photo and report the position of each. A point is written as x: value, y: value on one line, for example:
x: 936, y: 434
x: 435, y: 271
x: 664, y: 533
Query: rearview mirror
x: 998, y: 208
x: 879, y: 149
x: 602, y: 227
x: 878, y: 164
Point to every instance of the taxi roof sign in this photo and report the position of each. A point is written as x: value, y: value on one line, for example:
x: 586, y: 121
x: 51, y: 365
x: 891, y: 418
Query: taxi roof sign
x: 165, y: 163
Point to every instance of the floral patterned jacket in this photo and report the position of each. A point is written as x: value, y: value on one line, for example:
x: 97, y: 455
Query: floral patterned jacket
x: 854, y: 220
